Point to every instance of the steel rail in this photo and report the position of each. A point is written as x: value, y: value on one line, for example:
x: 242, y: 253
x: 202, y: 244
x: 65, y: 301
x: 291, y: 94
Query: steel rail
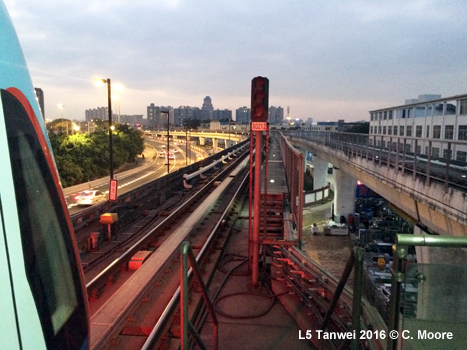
x: 164, y: 321
x: 111, y: 318
x: 114, y: 268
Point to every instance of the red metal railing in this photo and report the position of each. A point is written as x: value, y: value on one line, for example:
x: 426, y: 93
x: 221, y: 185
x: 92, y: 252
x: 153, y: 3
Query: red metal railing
x: 294, y: 165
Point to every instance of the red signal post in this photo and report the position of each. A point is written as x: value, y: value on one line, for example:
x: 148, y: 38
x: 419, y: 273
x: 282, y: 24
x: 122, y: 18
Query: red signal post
x: 259, y: 99
x: 259, y: 119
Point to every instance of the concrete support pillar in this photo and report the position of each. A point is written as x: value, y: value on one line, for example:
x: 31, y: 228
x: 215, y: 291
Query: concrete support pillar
x: 227, y: 143
x: 320, y: 172
x: 344, y: 196
x: 202, y: 141
x: 214, y: 145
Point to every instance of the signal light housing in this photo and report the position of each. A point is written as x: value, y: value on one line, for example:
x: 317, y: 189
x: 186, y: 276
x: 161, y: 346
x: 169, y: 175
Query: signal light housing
x: 259, y: 99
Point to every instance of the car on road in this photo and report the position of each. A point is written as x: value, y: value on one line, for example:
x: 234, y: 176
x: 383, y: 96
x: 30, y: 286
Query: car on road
x: 90, y: 197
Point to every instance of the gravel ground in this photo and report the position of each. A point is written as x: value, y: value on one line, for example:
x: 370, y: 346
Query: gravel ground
x: 331, y: 252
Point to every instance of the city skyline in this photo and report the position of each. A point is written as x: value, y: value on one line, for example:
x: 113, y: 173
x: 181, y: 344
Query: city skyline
x: 326, y: 60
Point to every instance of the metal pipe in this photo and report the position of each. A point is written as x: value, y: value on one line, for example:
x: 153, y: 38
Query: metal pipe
x: 396, y: 287
x: 339, y: 289
x: 168, y: 150
x: 111, y: 155
x: 357, y: 295
x: 204, y: 292
x: 431, y: 241
x: 184, y: 297
x: 403, y: 241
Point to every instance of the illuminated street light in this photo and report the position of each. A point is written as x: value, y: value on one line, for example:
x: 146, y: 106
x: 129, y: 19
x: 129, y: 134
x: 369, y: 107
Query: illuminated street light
x: 62, y: 107
x: 109, y: 97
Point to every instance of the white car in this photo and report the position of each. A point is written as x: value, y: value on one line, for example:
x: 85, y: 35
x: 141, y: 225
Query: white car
x: 90, y: 197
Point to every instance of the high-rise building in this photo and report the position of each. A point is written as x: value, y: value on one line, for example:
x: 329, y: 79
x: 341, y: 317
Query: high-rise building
x: 224, y: 114
x: 132, y: 120
x: 183, y: 113
x: 40, y: 100
x: 276, y: 115
x: 157, y: 116
x: 101, y: 113
x: 207, y: 106
x: 242, y: 115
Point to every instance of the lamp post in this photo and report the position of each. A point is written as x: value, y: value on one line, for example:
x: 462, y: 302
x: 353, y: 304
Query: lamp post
x: 186, y: 142
x: 109, y: 98
x: 229, y: 133
x: 62, y: 107
x: 168, y: 134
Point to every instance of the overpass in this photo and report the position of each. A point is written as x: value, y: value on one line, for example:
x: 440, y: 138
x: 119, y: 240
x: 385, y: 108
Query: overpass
x: 229, y: 138
x: 430, y: 192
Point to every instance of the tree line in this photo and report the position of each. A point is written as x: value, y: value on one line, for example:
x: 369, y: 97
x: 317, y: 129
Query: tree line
x: 85, y: 157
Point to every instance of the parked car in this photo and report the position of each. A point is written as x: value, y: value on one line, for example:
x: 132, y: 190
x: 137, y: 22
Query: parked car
x: 90, y: 197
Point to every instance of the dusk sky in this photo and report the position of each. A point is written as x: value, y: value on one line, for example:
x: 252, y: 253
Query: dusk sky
x: 326, y: 59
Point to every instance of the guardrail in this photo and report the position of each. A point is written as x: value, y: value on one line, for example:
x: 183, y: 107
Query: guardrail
x: 161, y: 185
x: 294, y: 165
x: 430, y: 158
x: 318, y: 195
x: 399, y: 276
x: 202, y: 170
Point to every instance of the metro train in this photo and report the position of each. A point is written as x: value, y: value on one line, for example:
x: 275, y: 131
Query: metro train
x: 43, y: 303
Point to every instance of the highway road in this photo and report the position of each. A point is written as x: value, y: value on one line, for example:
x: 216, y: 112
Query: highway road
x: 147, y: 170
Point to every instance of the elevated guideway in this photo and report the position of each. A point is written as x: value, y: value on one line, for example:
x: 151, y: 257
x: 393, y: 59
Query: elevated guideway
x: 430, y: 193
x: 229, y: 138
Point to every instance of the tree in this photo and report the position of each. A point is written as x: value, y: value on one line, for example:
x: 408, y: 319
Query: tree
x: 82, y: 157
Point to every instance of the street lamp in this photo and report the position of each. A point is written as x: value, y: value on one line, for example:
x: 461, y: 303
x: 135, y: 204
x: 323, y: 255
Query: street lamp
x: 229, y: 131
x: 62, y: 107
x: 168, y: 134
x: 109, y: 97
x: 186, y: 142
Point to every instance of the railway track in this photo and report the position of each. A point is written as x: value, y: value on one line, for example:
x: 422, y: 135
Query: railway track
x: 126, y: 304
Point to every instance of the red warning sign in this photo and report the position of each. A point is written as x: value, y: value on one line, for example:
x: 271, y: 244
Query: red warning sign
x: 113, y: 190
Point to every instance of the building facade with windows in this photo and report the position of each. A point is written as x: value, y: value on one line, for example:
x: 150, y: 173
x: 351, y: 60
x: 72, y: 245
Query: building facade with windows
x: 242, y: 115
x: 430, y: 126
x: 157, y: 116
x: 101, y: 113
x: 275, y: 115
x: 222, y: 114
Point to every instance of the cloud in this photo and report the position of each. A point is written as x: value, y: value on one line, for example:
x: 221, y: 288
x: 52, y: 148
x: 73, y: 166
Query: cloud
x: 321, y: 57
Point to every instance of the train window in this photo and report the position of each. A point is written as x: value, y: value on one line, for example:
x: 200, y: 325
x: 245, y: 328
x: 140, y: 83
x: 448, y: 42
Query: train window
x: 50, y: 261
